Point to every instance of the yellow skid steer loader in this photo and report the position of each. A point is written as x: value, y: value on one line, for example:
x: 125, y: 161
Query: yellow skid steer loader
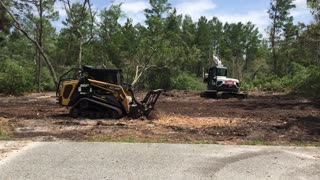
x: 100, y: 93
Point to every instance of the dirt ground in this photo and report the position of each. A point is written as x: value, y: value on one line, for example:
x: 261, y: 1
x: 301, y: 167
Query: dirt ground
x: 179, y: 117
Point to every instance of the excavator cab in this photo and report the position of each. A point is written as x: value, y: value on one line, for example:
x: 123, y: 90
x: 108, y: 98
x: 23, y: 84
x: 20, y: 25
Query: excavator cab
x: 217, y: 80
x: 214, y: 72
x: 99, y: 92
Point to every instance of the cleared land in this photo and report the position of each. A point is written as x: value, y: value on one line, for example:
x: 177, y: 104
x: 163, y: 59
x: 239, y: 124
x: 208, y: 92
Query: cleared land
x: 179, y: 117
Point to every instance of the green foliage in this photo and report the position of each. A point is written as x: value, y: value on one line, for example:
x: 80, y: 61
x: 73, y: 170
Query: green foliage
x: 300, y: 80
x: 258, y: 142
x: 111, y: 35
x: 240, y: 47
x: 5, y: 24
x: 159, y: 78
x: 247, y: 86
x: 47, y: 83
x: 4, y: 135
x: 15, y: 79
x: 269, y: 83
x: 279, y: 14
x: 310, y: 85
x: 315, y: 8
x: 188, y: 81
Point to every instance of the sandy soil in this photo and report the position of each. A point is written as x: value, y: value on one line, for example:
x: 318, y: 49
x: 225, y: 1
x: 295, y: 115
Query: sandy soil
x: 179, y: 117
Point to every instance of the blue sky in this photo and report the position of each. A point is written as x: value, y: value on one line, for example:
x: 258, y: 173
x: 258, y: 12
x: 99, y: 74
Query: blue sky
x: 231, y: 11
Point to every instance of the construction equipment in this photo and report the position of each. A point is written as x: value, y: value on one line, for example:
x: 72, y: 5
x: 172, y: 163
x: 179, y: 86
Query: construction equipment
x: 218, y: 85
x: 100, y: 93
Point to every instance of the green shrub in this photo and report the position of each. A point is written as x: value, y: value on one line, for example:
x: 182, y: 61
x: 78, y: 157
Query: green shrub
x: 47, y: 83
x: 246, y: 85
x: 159, y: 79
x: 269, y: 83
x: 15, y: 79
x: 188, y: 81
x: 310, y: 85
x: 4, y: 135
x: 300, y: 79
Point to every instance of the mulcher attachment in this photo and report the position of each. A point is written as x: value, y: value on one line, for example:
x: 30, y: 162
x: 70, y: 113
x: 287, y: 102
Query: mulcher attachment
x: 144, y: 107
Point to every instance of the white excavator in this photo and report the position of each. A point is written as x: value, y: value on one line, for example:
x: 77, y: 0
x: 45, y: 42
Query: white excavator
x: 219, y: 85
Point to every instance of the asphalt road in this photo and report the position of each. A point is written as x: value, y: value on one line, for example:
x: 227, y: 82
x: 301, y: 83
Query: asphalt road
x: 71, y: 160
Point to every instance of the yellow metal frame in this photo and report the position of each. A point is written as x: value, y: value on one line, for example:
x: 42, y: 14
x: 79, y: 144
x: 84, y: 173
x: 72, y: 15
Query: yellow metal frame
x: 65, y: 101
x: 123, y: 96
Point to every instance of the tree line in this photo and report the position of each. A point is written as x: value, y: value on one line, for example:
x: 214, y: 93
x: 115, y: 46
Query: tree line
x: 169, y: 50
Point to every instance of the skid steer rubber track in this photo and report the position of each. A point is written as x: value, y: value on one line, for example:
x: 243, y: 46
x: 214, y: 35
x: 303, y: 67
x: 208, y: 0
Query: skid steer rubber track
x: 93, y: 109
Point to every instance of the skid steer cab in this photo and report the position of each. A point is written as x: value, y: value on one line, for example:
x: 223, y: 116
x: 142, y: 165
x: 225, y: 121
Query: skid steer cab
x: 100, y: 93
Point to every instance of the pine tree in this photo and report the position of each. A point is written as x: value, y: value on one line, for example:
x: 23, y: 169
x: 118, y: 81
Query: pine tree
x: 279, y: 13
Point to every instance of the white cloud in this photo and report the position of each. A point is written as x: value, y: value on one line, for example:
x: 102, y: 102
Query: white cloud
x: 133, y: 9
x: 198, y: 8
x: 301, y: 13
x: 195, y: 8
x: 59, y: 6
x: 300, y: 3
x: 258, y: 18
x: 301, y: 8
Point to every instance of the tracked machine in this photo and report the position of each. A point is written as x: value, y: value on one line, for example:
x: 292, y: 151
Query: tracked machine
x: 100, y: 93
x: 219, y: 85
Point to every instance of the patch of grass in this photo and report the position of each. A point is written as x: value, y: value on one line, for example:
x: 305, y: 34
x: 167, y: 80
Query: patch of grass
x: 109, y: 138
x: 305, y: 144
x: 99, y: 138
x: 163, y: 140
x: 4, y: 135
x: 261, y: 142
x: 204, y: 142
x: 258, y: 142
x: 130, y: 139
x: 139, y: 139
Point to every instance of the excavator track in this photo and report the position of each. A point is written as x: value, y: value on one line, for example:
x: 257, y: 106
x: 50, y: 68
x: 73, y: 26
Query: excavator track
x: 223, y: 94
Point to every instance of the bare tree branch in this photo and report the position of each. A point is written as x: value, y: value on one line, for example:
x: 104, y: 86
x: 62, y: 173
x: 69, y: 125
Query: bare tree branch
x: 92, y: 15
x: 142, y: 68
